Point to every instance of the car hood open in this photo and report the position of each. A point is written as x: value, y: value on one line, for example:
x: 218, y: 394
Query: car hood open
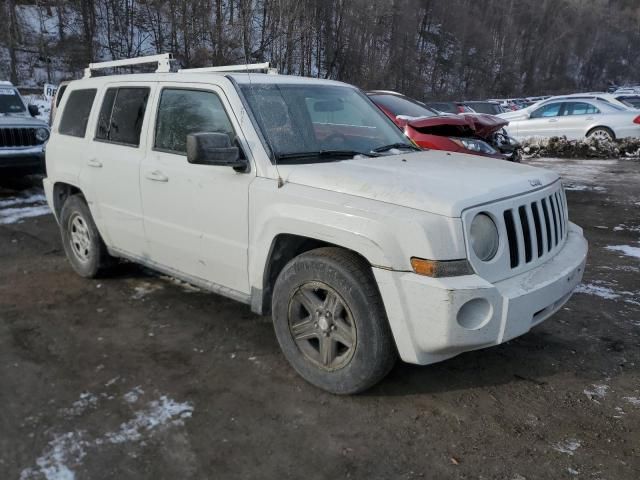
x: 433, y: 181
x: 464, y: 125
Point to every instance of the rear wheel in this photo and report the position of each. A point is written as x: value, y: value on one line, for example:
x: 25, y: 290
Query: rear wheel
x: 602, y: 134
x: 81, y: 240
x: 330, y: 321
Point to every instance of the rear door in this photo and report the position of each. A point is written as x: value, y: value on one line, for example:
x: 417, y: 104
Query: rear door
x: 576, y: 119
x: 113, y: 163
x: 196, y: 216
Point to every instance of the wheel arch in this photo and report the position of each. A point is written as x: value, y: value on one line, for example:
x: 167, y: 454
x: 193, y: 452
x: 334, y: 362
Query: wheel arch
x: 62, y: 191
x: 601, y: 127
x: 284, y: 248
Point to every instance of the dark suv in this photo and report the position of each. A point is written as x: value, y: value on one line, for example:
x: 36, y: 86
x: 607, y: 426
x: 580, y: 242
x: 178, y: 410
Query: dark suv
x: 22, y: 137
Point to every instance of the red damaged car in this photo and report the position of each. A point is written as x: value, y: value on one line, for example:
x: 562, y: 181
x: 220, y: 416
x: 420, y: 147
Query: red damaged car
x: 479, y: 134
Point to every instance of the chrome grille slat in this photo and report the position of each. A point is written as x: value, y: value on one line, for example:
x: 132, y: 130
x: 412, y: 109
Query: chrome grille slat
x: 519, y: 237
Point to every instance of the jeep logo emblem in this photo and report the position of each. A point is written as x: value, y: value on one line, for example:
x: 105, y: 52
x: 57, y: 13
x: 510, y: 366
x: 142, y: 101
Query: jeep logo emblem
x: 535, y: 182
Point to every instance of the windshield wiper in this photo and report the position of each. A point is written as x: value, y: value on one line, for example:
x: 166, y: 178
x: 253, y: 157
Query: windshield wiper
x: 328, y: 154
x: 386, y: 148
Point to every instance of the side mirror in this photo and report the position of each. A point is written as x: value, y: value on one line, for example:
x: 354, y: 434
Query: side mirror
x: 212, y: 148
x: 33, y: 110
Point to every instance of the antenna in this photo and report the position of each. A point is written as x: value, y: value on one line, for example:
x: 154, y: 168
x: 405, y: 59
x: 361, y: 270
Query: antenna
x: 248, y: 69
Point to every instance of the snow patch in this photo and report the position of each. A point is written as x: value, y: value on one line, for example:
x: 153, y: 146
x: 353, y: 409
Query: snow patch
x: 66, y: 451
x: 635, y: 401
x: 78, y: 407
x: 598, y: 290
x: 568, y: 446
x: 627, y: 250
x: 164, y: 411
x: 14, y: 215
x: 133, y: 395
x: 62, y: 453
x: 144, y: 289
x: 596, y: 392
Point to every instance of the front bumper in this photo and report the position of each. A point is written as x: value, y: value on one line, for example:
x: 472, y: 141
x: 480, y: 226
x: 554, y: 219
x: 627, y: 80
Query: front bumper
x: 31, y: 158
x: 433, y: 319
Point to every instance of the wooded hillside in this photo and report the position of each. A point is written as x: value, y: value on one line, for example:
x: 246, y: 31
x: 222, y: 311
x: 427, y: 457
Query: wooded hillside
x: 424, y: 48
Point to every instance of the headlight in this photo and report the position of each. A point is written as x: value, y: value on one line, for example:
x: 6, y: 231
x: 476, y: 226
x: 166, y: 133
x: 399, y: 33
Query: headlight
x: 475, y: 145
x: 484, y: 237
x: 42, y: 134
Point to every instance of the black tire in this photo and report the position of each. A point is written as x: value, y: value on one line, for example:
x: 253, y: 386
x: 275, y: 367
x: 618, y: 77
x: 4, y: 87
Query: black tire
x: 89, y: 257
x: 599, y: 133
x: 348, y: 277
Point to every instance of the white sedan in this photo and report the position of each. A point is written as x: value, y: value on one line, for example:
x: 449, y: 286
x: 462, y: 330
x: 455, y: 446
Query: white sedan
x: 574, y: 118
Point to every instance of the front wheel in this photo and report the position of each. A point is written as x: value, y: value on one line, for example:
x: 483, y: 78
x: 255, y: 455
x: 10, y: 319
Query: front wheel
x: 330, y: 321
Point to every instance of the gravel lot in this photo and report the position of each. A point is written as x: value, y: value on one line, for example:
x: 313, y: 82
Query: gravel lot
x: 138, y: 376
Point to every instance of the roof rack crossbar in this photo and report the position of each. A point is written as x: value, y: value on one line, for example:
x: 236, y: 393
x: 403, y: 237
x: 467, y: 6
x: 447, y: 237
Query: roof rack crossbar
x: 251, y: 67
x: 163, y: 60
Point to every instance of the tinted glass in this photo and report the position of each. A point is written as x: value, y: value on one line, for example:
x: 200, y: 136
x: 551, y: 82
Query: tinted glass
x: 579, y: 108
x: 102, y: 130
x: 631, y: 101
x: 122, y: 122
x: 299, y: 119
x: 182, y: 112
x: 10, y: 101
x: 443, y: 107
x: 76, y: 112
x: 551, y: 110
x: 402, y: 106
x: 490, y: 108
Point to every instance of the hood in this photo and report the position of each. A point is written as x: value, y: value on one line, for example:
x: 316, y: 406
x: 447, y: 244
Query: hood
x: 485, y: 124
x: 465, y: 125
x: 433, y: 181
x: 21, y: 120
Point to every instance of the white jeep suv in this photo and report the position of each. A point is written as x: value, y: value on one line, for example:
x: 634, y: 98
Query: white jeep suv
x: 300, y: 198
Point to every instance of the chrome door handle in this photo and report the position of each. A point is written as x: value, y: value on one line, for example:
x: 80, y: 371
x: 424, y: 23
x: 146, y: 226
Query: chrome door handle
x: 553, y: 120
x: 157, y: 176
x: 589, y: 118
x: 92, y: 162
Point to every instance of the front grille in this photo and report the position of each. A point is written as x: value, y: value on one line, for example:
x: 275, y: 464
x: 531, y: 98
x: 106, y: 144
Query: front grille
x: 18, y: 137
x: 535, y: 228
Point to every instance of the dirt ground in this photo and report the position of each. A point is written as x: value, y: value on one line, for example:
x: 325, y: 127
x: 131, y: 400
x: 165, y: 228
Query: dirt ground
x: 137, y: 376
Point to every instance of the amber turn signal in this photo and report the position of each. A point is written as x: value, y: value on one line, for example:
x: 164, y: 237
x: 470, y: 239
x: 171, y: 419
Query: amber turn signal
x: 440, y: 268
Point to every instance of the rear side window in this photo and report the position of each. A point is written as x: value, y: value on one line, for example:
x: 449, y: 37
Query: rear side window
x: 182, y: 112
x: 122, y: 114
x: 76, y: 113
x: 579, y: 108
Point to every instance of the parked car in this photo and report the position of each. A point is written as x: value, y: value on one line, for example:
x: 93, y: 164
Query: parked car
x: 632, y: 101
x: 574, y: 118
x: 488, y: 107
x: 22, y: 137
x: 302, y: 199
x: 449, y: 107
x: 464, y: 133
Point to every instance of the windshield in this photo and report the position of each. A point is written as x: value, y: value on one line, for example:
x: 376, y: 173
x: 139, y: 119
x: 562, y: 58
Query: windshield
x: 311, y: 120
x: 402, y: 106
x: 10, y: 101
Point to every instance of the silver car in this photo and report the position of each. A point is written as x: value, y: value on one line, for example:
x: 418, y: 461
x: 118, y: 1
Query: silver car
x: 575, y: 118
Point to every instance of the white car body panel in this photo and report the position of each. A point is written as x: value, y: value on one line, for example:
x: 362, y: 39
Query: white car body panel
x: 215, y: 227
x: 575, y: 127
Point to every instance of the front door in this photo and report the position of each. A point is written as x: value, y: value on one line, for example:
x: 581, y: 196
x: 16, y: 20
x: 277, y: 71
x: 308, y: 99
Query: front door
x: 196, y: 216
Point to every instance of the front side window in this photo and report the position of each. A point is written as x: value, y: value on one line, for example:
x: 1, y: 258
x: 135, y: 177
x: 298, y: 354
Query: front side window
x: 122, y: 114
x: 10, y: 101
x: 552, y: 110
x: 316, y: 119
x: 76, y: 113
x: 579, y: 108
x: 182, y: 112
x: 402, y: 106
